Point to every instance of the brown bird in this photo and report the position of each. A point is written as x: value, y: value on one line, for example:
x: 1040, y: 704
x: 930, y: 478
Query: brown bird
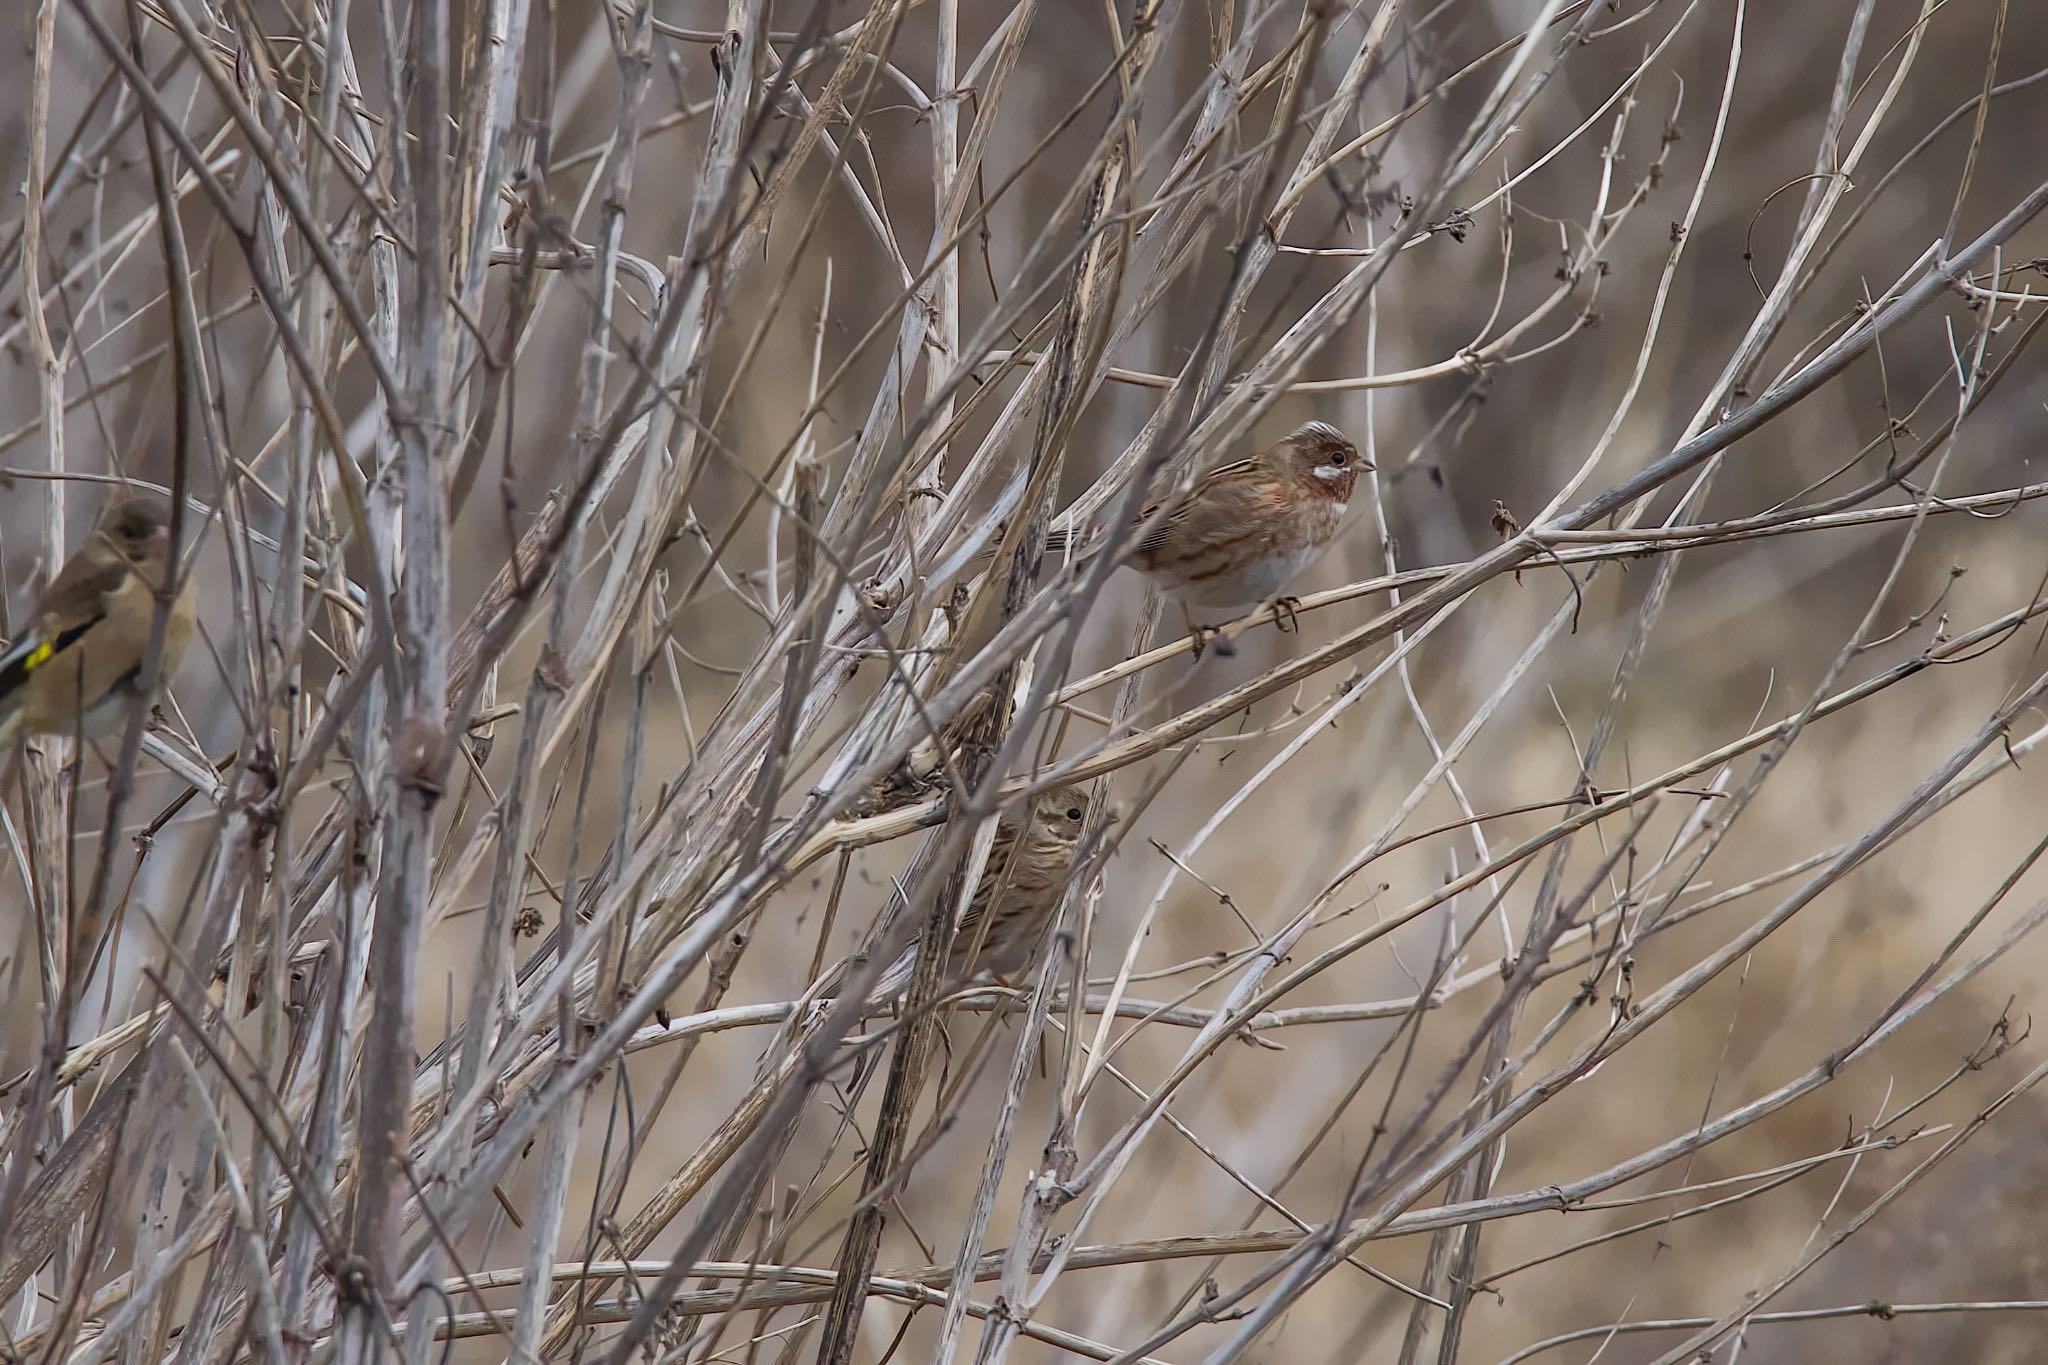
x: 1017, y: 896
x: 77, y: 667
x: 1248, y: 528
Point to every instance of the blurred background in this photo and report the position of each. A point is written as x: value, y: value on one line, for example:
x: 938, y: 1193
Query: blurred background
x: 1570, y: 315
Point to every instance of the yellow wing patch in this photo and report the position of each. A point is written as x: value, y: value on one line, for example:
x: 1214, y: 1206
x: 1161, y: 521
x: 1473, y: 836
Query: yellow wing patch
x: 39, y: 656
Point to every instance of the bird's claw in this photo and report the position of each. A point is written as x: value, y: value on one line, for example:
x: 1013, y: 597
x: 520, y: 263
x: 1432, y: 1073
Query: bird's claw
x: 1211, y: 637
x: 1287, y: 614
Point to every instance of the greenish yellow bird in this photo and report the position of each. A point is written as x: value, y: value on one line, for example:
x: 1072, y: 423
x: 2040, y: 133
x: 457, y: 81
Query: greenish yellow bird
x: 78, y: 666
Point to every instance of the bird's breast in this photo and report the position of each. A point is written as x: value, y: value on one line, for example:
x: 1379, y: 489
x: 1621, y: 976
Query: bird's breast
x: 1258, y: 564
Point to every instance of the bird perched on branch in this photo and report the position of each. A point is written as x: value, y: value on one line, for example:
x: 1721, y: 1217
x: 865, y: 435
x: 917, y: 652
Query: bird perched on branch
x: 1017, y: 896
x: 79, y: 664
x: 1249, y: 527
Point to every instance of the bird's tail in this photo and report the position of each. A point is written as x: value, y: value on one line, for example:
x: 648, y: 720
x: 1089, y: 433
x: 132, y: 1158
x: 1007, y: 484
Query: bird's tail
x: 12, y: 714
x: 817, y: 1002
x: 895, y: 979
x: 1060, y: 545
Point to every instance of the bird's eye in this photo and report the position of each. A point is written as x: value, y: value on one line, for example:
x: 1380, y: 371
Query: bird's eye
x: 1340, y: 458
x: 1073, y: 812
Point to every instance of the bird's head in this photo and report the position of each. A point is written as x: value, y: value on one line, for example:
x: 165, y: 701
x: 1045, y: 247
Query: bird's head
x: 1324, y: 458
x: 137, y: 530
x: 1058, y: 813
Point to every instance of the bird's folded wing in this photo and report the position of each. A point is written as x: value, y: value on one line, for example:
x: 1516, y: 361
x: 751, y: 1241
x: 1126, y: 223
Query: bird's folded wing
x: 1230, y: 499
x: 76, y: 601
x: 34, y: 650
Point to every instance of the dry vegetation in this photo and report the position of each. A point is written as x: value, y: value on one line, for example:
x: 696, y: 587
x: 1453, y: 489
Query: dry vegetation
x: 1605, y: 929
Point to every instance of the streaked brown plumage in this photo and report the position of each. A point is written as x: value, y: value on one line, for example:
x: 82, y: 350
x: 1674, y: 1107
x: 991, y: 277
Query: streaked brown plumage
x: 924, y: 767
x: 77, y: 665
x: 1023, y: 891
x: 1249, y: 527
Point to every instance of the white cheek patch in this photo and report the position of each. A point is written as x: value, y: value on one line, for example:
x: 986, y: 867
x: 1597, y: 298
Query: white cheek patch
x: 1330, y: 473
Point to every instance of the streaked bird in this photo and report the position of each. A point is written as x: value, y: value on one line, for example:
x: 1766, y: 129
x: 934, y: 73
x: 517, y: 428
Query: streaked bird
x: 1017, y: 896
x: 77, y: 667
x: 1249, y: 527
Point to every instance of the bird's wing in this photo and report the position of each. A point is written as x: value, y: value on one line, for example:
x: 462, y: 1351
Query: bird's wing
x: 895, y: 978
x: 27, y: 654
x: 1232, y: 496
x: 36, y: 649
x: 73, y: 604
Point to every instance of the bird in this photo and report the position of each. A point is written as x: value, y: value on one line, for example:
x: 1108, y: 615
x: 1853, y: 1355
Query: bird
x: 1248, y: 528
x: 924, y: 767
x: 78, y: 666
x: 1016, y: 898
